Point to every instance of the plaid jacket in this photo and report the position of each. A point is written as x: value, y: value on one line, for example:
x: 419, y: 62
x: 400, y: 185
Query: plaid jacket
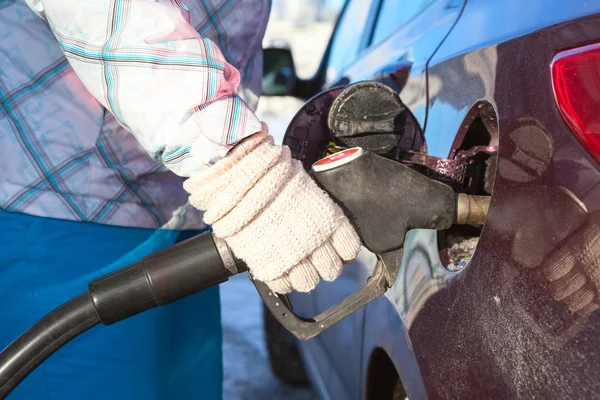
x: 143, y: 98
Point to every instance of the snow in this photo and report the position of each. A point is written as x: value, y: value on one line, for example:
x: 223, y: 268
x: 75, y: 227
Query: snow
x: 246, y: 366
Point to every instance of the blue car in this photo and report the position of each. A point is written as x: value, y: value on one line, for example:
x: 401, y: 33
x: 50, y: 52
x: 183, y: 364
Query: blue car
x: 507, y: 98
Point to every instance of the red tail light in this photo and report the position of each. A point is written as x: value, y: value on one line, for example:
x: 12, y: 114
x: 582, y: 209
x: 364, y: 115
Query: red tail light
x: 576, y: 80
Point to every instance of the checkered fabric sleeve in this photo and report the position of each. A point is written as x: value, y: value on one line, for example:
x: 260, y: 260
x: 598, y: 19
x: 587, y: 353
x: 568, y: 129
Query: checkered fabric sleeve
x: 167, y: 85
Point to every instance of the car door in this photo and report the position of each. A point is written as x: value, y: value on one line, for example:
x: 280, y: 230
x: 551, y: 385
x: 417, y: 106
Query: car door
x: 397, y: 39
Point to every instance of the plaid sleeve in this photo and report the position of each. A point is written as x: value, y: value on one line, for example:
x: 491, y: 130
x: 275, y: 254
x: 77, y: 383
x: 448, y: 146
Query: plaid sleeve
x: 171, y: 88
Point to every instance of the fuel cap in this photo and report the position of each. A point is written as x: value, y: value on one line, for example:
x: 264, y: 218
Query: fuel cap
x: 337, y: 159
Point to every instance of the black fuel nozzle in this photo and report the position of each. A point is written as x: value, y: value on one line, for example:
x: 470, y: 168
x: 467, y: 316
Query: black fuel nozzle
x: 383, y: 198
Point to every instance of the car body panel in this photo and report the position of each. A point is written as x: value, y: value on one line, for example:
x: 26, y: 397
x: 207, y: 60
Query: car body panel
x: 409, y: 47
x: 387, y: 321
x: 512, y: 338
x: 473, y: 42
x: 491, y: 330
x: 318, y: 367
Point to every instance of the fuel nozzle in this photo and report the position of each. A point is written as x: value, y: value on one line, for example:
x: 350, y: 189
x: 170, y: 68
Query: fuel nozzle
x: 384, y: 198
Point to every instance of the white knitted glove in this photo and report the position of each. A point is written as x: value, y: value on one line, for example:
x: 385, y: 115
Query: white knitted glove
x: 274, y: 216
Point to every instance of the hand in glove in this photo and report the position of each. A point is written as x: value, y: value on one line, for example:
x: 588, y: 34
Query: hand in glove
x: 274, y: 216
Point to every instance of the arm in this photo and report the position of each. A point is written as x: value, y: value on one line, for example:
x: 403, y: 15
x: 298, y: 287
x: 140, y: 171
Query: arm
x: 176, y: 93
x: 172, y: 89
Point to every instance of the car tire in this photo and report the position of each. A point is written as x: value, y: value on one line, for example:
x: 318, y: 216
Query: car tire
x: 284, y: 357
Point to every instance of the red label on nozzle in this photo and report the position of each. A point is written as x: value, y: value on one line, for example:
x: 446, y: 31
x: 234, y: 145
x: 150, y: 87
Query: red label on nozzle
x: 337, y: 159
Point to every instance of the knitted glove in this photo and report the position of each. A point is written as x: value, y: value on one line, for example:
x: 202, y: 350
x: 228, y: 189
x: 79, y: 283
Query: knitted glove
x: 274, y: 216
x: 572, y: 272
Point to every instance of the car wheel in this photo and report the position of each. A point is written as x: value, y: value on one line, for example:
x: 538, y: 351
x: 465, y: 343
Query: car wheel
x: 283, y: 354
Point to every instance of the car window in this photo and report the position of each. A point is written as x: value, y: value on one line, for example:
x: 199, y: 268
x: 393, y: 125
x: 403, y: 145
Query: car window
x: 347, y: 37
x: 395, y: 13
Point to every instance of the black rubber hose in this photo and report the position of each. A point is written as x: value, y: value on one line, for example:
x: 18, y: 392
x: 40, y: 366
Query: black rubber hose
x: 158, y: 279
x: 52, y: 332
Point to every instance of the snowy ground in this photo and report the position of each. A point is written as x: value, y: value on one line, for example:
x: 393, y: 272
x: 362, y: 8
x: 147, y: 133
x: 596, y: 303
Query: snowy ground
x: 247, y: 372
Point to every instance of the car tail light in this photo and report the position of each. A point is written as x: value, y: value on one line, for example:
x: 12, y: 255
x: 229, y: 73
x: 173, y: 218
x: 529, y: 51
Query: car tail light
x: 576, y: 82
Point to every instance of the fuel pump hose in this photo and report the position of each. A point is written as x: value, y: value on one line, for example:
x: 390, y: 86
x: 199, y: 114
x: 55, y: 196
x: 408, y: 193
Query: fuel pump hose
x: 158, y: 279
